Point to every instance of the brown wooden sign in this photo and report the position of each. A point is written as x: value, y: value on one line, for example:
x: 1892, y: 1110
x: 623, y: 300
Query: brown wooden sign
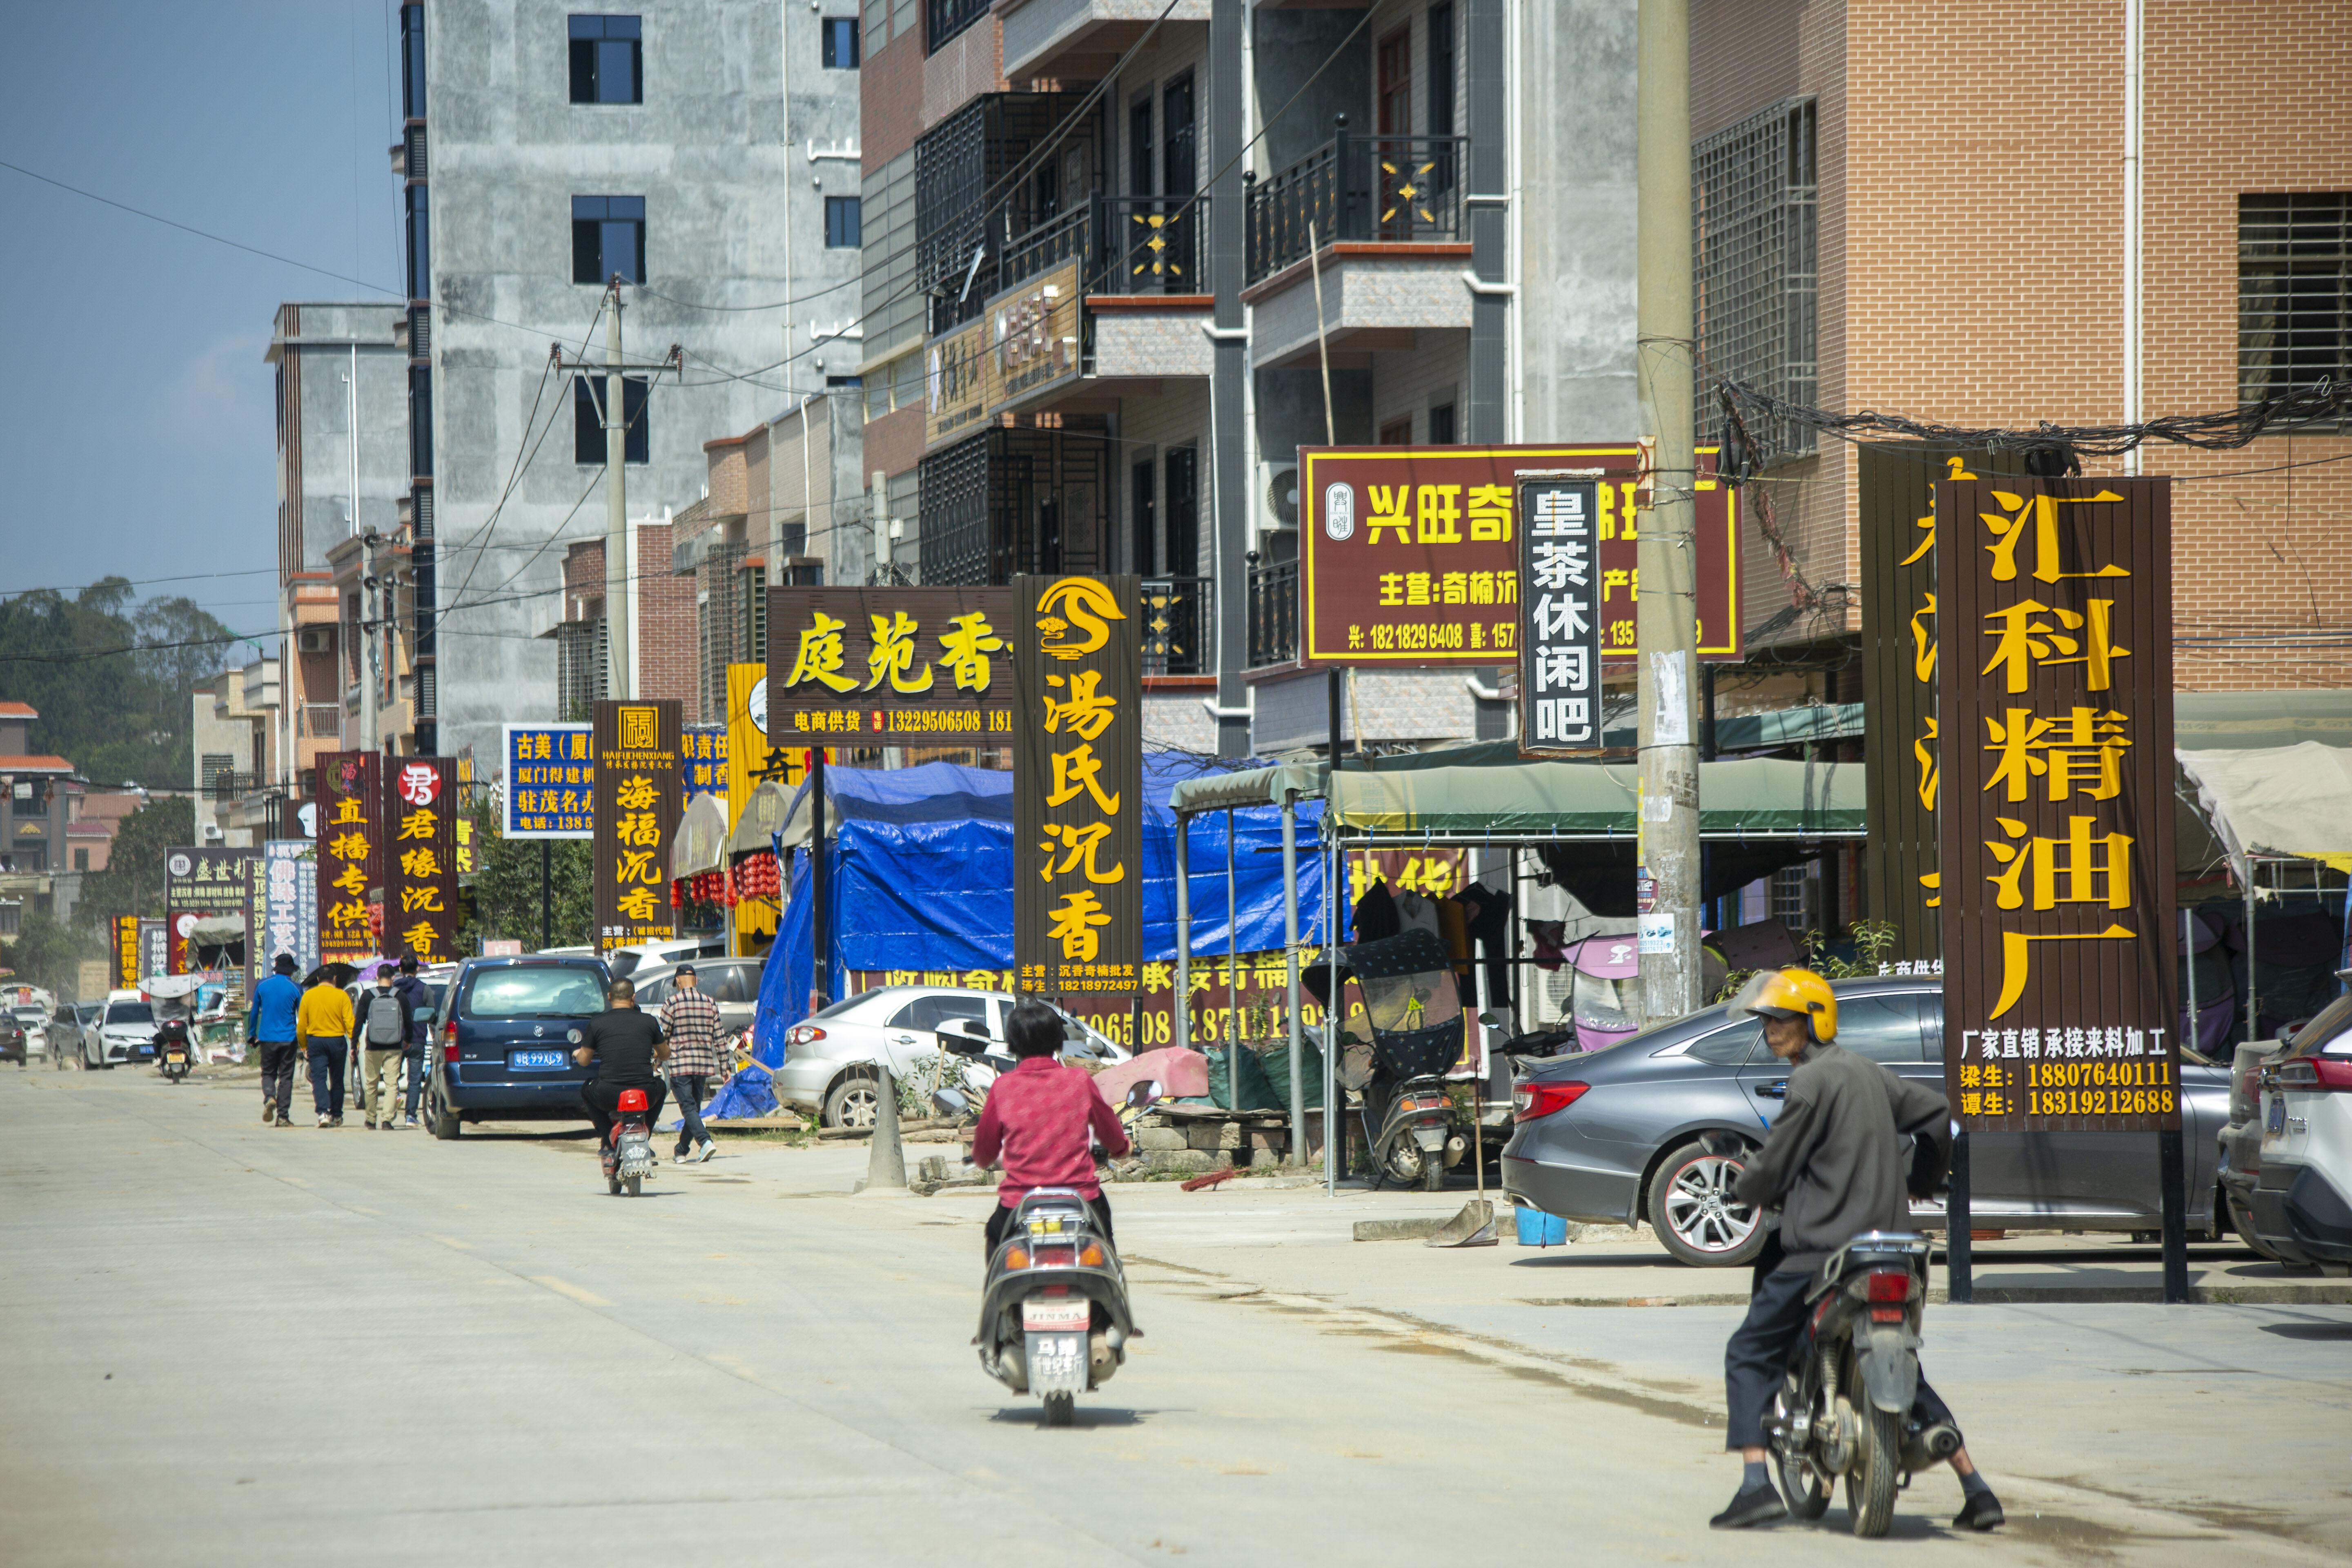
x: 2053, y: 650
x: 638, y: 787
x: 420, y: 893
x: 1078, y: 787
x: 889, y: 665
x: 351, y: 848
x: 1409, y: 555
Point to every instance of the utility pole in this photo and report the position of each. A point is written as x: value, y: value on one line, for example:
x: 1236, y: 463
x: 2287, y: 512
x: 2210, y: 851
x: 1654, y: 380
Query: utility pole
x: 1666, y: 622
x: 616, y: 505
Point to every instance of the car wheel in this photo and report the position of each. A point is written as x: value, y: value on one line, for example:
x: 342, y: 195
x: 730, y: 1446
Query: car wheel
x: 855, y: 1102
x: 439, y: 1118
x: 1694, y: 1213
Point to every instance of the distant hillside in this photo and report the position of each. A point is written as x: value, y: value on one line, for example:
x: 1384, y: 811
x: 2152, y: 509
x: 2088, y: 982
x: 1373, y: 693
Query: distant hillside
x: 116, y: 715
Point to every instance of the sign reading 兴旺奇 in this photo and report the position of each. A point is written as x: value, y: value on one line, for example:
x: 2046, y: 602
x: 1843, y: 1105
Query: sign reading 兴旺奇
x: 350, y: 832
x: 1078, y: 787
x: 420, y: 896
x: 551, y: 785
x: 1412, y: 554
x: 2053, y: 642
x: 1559, y: 656
x: 887, y: 665
x: 638, y: 805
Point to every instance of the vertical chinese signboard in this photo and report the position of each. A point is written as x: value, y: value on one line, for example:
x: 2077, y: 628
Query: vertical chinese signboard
x: 551, y: 782
x: 1410, y: 555
x: 420, y: 894
x: 637, y: 804
x: 2055, y: 642
x: 126, y: 952
x: 351, y: 845
x: 703, y: 753
x: 1078, y: 787
x: 291, y: 923
x: 1560, y: 656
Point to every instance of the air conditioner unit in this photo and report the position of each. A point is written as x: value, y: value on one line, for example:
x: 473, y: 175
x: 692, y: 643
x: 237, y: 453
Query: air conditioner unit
x: 1277, y: 489
x: 314, y: 639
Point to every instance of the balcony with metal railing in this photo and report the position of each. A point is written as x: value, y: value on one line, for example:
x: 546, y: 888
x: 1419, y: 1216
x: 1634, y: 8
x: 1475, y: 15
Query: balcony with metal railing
x: 1383, y: 213
x: 1180, y: 625
x: 1273, y: 613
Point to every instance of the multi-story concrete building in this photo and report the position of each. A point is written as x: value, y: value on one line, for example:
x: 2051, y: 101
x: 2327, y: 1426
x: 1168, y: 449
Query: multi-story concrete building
x: 33, y: 812
x: 234, y: 740
x: 660, y: 607
x: 1141, y: 200
x: 705, y: 153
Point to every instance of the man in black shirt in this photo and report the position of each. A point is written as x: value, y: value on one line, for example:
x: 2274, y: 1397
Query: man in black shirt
x: 626, y: 1045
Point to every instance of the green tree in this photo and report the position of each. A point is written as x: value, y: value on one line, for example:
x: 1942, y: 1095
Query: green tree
x: 112, y: 701
x: 49, y: 953
x: 132, y: 882
x: 506, y: 902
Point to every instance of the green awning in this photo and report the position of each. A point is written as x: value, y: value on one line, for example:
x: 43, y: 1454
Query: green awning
x: 1754, y: 797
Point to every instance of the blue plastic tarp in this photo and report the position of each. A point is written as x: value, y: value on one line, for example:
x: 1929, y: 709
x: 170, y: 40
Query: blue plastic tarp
x: 921, y: 878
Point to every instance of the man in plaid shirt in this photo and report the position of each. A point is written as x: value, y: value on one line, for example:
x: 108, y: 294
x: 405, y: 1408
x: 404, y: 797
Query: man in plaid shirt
x: 692, y: 1020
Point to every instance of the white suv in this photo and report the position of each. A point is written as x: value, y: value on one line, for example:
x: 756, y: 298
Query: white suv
x: 2303, y: 1193
x: 829, y: 1059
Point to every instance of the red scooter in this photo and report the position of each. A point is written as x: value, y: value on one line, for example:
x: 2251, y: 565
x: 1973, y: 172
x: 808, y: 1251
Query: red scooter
x: 629, y: 1152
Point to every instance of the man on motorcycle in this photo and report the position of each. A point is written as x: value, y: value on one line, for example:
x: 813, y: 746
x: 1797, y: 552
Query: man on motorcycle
x: 1037, y: 1119
x: 1832, y: 1162
x: 626, y: 1045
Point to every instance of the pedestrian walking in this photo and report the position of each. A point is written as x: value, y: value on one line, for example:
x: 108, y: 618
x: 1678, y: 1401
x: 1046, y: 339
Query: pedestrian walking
x: 382, y: 1040
x: 420, y: 1035
x: 324, y: 1023
x: 690, y: 1018
x: 269, y: 1027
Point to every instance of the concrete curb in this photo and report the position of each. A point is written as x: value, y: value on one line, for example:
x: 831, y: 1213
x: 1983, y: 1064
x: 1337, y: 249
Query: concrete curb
x: 1401, y: 1229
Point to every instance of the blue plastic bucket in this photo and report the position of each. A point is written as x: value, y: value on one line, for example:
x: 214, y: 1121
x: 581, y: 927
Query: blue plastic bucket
x: 1537, y: 1228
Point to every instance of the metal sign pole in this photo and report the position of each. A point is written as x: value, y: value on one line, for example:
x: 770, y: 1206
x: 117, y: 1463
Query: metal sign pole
x: 1290, y: 965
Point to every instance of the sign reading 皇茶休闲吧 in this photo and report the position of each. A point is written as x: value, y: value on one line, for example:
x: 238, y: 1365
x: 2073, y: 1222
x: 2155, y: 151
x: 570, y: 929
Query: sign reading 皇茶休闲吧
x: 1078, y: 787
x: 420, y: 894
x: 636, y: 746
x: 2053, y: 660
x: 889, y: 665
x: 551, y: 783
x: 351, y: 846
x: 1410, y: 555
x: 1561, y: 647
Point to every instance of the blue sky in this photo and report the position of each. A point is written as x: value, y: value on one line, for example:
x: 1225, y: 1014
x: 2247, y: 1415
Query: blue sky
x: 136, y: 429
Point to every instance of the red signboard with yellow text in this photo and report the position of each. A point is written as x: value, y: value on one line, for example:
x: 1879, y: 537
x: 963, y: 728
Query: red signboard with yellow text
x: 351, y: 845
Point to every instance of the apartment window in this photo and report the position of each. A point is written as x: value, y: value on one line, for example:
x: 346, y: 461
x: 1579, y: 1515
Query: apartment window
x: 214, y: 765
x: 877, y: 392
x: 81, y: 860
x: 878, y: 21
x: 841, y: 43
x: 608, y: 238
x: 608, y: 60
x: 1753, y: 199
x: 588, y: 419
x: 842, y: 230
x: 1145, y: 487
x: 949, y: 18
x: 420, y: 244
x: 412, y: 61
x: 2294, y: 292
x: 1138, y: 147
x: 1397, y: 432
x: 1440, y: 426
x: 1440, y: 70
x: 1183, y: 511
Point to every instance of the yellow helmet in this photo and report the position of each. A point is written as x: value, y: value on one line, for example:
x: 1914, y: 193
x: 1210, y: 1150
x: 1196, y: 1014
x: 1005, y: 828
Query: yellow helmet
x: 1789, y: 993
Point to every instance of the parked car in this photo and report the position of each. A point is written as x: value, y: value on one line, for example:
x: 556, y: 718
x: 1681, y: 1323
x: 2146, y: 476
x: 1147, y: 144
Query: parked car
x: 13, y: 1041
x: 2302, y: 1190
x: 1612, y: 1137
x: 35, y: 1022
x: 2239, y: 1159
x: 66, y: 1028
x: 504, y: 1032
x: 624, y: 962
x: 829, y: 1059
x: 125, y: 1031
x: 732, y: 983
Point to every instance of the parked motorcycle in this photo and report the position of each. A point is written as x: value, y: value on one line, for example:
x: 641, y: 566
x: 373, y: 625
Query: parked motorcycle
x: 1845, y: 1408
x: 1413, y: 1006
x: 172, y: 1052
x: 629, y: 1152
x: 1054, y: 1317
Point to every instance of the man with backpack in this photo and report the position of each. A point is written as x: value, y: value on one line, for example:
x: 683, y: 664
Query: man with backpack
x: 384, y: 1028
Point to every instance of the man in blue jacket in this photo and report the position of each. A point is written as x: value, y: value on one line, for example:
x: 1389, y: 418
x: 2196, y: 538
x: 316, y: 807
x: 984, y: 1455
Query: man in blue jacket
x: 269, y: 1024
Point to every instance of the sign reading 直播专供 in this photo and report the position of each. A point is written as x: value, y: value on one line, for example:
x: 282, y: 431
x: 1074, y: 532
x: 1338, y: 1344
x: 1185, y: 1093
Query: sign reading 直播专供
x: 420, y: 894
x: 1078, y: 787
x: 351, y: 846
x: 2053, y: 660
x: 636, y: 747
x: 889, y: 665
x: 1410, y: 555
x: 1559, y: 652
x: 550, y: 783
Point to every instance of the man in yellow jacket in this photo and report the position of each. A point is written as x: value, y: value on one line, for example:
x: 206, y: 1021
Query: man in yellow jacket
x: 323, y: 1023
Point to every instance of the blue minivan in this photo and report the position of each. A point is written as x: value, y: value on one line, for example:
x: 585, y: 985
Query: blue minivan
x: 504, y: 1034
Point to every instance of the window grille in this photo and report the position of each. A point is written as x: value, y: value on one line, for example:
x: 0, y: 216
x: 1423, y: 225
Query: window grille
x: 580, y: 660
x: 954, y: 518
x: 1754, y: 195
x: 2294, y: 292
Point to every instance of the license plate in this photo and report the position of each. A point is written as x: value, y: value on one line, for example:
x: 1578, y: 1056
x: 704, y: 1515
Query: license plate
x: 2274, y: 1119
x: 523, y: 1060
x: 1057, y: 1362
x: 178, y: 1057
x: 1049, y: 1314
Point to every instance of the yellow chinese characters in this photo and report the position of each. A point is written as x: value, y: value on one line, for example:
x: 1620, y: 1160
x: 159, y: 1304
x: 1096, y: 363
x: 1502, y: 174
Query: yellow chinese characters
x: 819, y: 655
x: 966, y: 645
x: 2024, y: 641
x: 2009, y: 528
x: 1076, y: 921
x: 893, y: 656
x: 2082, y: 751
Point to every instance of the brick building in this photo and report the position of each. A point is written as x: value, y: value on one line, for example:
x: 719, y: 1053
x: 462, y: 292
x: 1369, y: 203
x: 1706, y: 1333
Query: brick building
x: 661, y: 616
x: 1948, y: 190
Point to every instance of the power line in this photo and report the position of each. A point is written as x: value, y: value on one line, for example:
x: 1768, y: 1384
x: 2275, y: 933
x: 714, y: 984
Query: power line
x: 139, y: 582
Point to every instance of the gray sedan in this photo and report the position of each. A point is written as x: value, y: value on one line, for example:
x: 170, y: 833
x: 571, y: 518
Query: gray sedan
x: 1612, y: 1137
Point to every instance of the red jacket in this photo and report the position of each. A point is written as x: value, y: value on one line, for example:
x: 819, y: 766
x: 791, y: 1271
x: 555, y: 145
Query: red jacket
x: 1036, y: 1118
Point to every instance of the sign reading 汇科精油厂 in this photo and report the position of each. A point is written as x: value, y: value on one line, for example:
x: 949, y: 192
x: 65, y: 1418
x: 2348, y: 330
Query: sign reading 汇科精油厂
x: 889, y: 667
x: 2054, y: 654
x: 638, y: 784
x: 1410, y: 555
x: 1078, y: 787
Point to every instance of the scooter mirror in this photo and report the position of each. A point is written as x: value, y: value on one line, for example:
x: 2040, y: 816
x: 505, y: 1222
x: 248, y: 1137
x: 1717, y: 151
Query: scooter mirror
x: 1149, y: 1092
x: 950, y: 1101
x: 1496, y: 1018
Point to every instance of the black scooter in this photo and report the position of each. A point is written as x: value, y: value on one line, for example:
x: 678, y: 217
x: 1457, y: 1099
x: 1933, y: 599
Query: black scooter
x: 172, y: 1053
x: 1053, y: 1318
x: 629, y: 1152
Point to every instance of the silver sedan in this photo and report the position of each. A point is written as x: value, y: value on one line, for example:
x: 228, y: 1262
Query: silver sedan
x: 1612, y: 1137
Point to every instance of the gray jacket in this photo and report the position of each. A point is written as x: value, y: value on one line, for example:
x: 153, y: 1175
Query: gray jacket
x: 1834, y: 1161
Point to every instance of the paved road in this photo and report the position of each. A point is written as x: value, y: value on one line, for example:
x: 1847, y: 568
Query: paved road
x: 238, y: 1345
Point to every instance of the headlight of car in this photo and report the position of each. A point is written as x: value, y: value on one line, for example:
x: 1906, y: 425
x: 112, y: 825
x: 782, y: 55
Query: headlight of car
x: 574, y: 1036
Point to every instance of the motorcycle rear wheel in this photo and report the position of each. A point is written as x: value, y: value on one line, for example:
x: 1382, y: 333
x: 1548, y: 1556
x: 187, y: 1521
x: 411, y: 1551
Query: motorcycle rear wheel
x: 1061, y: 1409
x: 1806, y: 1490
x: 1433, y: 1171
x: 634, y: 1183
x: 1870, y: 1485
